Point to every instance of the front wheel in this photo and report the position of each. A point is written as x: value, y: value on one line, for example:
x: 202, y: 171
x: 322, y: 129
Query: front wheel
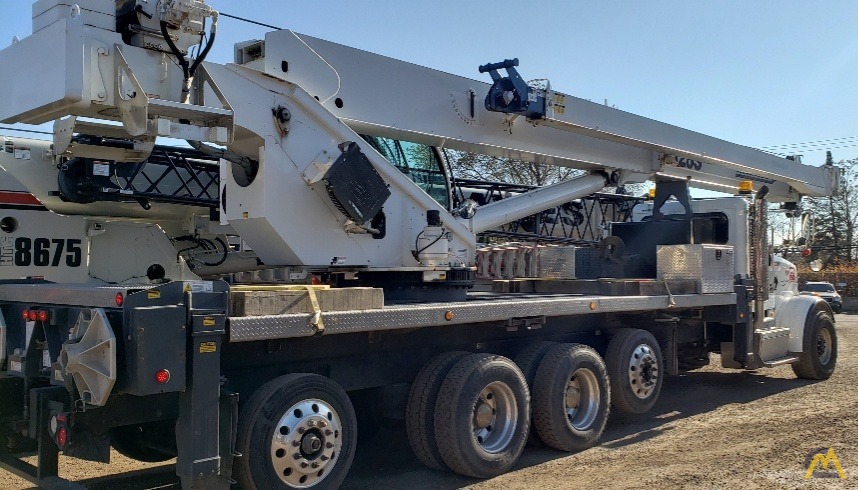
x: 634, y: 363
x: 819, y: 353
x: 296, y: 431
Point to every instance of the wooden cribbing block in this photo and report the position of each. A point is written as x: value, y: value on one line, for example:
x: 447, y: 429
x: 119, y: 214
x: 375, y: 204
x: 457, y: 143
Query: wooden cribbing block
x: 259, y: 301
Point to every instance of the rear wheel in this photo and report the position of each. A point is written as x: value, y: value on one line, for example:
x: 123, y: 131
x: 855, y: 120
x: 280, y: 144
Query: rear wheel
x: 297, y: 431
x: 482, y: 416
x: 634, y: 363
x: 571, y: 397
x: 528, y: 360
x: 819, y: 356
x: 420, y: 411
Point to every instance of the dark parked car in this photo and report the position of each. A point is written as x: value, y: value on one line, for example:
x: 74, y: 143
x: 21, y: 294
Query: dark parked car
x: 826, y: 291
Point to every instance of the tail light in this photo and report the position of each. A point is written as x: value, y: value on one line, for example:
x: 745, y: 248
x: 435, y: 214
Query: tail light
x: 59, y: 429
x: 162, y: 376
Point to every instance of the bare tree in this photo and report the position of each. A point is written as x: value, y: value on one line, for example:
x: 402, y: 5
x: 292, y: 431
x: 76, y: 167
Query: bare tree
x: 837, y: 218
x: 485, y: 167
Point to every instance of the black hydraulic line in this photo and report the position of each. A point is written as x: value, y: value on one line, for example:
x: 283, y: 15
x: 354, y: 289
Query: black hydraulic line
x: 225, y: 253
x: 206, y: 50
x: 183, y: 62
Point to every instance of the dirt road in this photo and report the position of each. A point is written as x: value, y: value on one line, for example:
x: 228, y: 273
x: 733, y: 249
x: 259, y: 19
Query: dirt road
x: 712, y: 428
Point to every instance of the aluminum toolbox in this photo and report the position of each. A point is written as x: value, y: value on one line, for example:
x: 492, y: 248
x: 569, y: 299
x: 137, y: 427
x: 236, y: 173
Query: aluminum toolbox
x: 569, y: 263
x: 710, y: 265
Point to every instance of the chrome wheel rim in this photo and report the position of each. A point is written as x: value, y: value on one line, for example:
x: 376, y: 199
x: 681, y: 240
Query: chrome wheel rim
x: 494, y: 418
x: 824, y: 346
x: 306, y: 443
x: 582, y: 399
x: 644, y: 371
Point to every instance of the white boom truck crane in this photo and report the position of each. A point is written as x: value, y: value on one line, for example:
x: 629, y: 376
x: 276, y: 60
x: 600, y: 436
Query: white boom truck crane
x: 117, y: 328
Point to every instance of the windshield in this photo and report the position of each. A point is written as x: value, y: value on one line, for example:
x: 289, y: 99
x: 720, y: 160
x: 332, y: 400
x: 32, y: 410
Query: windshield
x: 818, y: 288
x: 419, y: 162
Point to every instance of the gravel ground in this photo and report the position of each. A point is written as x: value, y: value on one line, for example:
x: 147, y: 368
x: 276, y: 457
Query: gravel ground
x: 712, y: 428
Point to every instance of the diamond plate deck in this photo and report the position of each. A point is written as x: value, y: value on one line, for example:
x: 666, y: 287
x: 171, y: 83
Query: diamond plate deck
x: 248, y: 329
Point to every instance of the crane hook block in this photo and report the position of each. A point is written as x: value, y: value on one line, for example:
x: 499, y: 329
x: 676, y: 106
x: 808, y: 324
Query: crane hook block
x: 510, y: 94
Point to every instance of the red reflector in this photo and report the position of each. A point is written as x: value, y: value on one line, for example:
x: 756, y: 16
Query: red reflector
x: 33, y: 315
x: 806, y: 252
x: 162, y: 376
x: 43, y: 316
x: 119, y: 299
x: 61, y: 417
x: 26, y: 314
x: 62, y: 436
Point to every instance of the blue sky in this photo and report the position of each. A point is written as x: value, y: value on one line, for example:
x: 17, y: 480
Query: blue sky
x: 759, y: 72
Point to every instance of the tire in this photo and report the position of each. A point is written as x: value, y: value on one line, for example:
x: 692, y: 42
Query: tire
x: 306, y: 409
x: 819, y: 353
x: 420, y: 410
x: 635, y: 369
x: 482, y: 416
x: 528, y: 360
x: 570, y: 370
x: 137, y: 441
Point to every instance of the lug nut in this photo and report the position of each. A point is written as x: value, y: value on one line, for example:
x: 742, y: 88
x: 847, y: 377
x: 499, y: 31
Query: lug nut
x: 329, y: 445
x: 311, y: 423
x: 329, y: 432
x: 323, y: 424
x: 301, y: 430
x: 323, y: 457
x: 297, y: 456
x: 314, y: 465
x: 296, y: 443
x: 304, y: 465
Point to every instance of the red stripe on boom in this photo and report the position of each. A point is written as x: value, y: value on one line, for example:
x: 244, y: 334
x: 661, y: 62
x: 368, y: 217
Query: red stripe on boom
x: 15, y: 197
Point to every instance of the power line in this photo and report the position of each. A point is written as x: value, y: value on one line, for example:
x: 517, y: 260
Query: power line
x: 813, y: 143
x: 815, y: 149
x: 7, y: 128
x: 251, y: 21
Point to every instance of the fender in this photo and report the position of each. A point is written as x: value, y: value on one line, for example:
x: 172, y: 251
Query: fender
x: 794, y: 313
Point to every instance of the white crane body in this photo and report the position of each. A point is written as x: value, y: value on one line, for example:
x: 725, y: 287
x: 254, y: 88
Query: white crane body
x: 216, y: 304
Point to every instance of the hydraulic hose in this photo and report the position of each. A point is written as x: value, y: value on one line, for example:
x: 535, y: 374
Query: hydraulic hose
x: 205, y: 52
x: 249, y: 165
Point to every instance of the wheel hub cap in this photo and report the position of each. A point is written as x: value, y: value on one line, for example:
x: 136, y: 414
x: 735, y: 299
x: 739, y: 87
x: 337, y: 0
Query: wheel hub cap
x: 644, y: 371
x: 306, y: 442
x: 494, y: 418
x: 824, y: 346
x: 582, y: 399
x: 310, y: 444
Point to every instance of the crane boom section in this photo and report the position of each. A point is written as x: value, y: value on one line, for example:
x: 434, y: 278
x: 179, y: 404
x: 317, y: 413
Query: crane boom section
x: 379, y: 95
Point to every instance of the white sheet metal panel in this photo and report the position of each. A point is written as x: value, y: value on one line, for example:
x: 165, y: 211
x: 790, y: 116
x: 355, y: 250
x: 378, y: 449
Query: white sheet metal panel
x: 35, y: 93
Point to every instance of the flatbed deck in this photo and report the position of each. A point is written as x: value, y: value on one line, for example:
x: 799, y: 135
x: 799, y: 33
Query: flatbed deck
x: 480, y: 307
